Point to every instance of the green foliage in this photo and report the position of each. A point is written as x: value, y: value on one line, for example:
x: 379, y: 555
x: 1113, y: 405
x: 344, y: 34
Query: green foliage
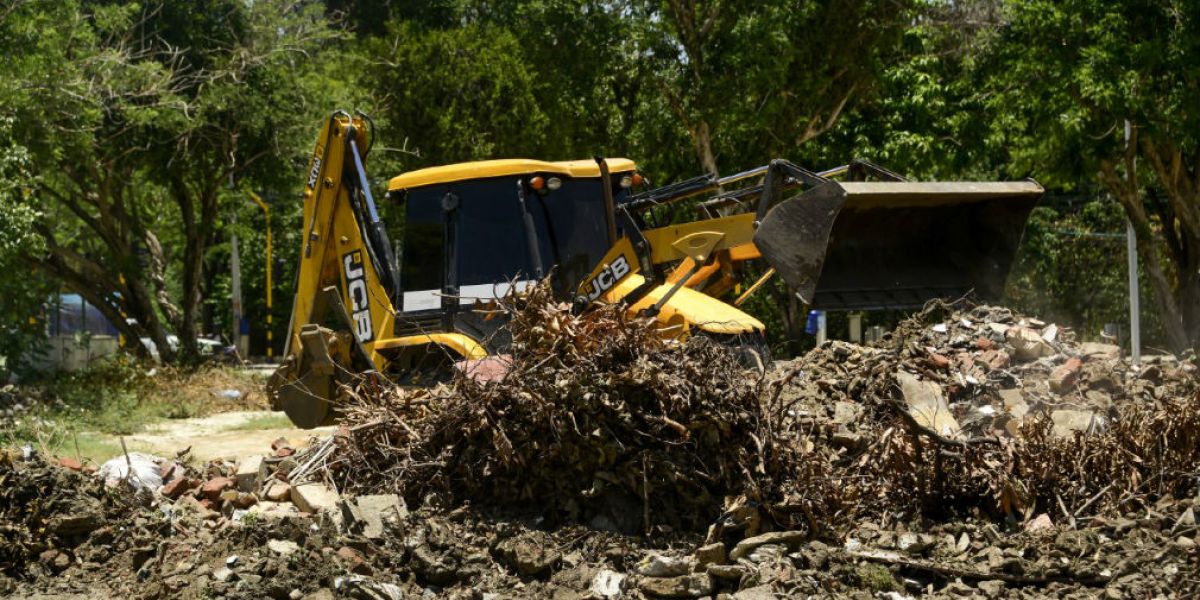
x: 137, y: 117
x: 130, y: 133
x: 745, y: 82
x: 1071, y: 268
x: 877, y: 578
x: 20, y: 297
x: 455, y: 94
x: 1061, y: 77
x: 114, y: 396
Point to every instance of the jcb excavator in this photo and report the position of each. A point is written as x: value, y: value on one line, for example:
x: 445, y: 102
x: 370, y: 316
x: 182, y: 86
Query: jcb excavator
x: 854, y: 237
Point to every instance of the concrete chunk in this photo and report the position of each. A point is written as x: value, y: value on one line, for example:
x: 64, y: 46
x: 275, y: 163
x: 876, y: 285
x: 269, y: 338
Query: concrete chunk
x: 607, y: 584
x: 1014, y: 403
x: 373, y: 512
x: 250, y: 473
x: 783, y: 538
x: 685, y: 586
x: 271, y: 511
x: 278, y: 491
x: 712, y: 554
x: 926, y: 404
x: 314, y: 497
x: 1067, y: 422
x: 1028, y: 344
x: 1095, y: 350
x: 283, y: 547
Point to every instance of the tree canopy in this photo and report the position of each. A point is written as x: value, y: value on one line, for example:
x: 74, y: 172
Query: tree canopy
x: 131, y: 133
x: 1062, y: 79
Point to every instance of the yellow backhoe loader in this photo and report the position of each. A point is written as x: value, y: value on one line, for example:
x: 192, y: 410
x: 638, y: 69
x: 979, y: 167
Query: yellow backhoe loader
x: 855, y: 237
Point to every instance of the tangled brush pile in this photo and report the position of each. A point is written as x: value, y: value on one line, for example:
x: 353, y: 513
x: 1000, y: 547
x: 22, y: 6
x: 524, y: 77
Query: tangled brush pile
x: 599, y: 417
x: 596, y: 411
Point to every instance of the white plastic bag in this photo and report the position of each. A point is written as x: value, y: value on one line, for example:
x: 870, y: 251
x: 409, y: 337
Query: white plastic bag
x: 145, y: 472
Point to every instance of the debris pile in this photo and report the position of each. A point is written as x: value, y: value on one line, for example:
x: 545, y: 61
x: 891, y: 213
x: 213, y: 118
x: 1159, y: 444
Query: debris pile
x: 372, y: 547
x: 975, y: 408
x: 597, y: 419
x: 971, y: 453
x: 963, y: 408
x: 41, y: 514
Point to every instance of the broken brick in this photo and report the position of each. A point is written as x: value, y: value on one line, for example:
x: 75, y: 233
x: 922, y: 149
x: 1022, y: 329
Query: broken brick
x: 213, y: 487
x: 70, y: 463
x: 995, y: 359
x: 1063, y: 378
x: 353, y: 561
x: 938, y: 361
x: 176, y: 487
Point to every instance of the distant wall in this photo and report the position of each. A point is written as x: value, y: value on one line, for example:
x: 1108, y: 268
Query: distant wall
x: 70, y: 352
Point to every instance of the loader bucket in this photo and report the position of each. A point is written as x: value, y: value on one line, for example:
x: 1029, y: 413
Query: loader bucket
x: 897, y: 244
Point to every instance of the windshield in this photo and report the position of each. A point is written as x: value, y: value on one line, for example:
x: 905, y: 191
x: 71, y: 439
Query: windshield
x: 491, y: 245
x: 575, y: 228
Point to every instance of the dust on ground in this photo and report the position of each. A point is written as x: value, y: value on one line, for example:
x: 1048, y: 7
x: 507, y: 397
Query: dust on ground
x: 226, y: 435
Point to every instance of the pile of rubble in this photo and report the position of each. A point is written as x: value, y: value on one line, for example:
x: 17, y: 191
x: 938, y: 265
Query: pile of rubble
x: 44, y: 513
x: 984, y: 371
x: 597, y: 418
x: 971, y: 453
x: 975, y: 408
x: 98, y: 539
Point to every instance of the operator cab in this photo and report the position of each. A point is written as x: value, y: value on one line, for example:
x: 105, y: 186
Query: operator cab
x: 472, y: 229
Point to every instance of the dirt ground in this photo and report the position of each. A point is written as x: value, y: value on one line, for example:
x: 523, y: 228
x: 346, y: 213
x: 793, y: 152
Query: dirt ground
x: 227, y: 435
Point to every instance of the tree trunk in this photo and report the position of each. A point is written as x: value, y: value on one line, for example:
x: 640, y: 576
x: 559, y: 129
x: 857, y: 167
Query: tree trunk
x: 193, y: 275
x: 1127, y: 193
x: 1180, y: 220
x: 1189, y: 295
x: 141, y: 307
x: 702, y: 138
x: 197, y: 207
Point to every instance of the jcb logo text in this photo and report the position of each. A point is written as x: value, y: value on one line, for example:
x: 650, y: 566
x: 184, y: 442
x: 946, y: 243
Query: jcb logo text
x: 608, y: 276
x: 356, y: 290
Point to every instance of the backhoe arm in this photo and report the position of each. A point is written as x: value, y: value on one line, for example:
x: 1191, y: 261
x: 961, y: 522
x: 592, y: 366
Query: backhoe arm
x: 345, y: 279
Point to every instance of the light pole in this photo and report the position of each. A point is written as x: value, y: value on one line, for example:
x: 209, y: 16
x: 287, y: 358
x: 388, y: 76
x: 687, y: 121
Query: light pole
x: 267, y: 216
x: 1135, y: 319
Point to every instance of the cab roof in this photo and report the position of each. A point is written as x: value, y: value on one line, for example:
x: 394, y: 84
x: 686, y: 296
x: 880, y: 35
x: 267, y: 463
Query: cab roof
x: 501, y: 168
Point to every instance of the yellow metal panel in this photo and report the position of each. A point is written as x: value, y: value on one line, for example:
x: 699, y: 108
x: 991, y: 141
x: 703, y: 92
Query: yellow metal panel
x: 744, y: 252
x: 689, y: 306
x: 461, y: 344
x: 347, y: 240
x: 319, y: 199
x: 738, y: 230
x: 618, y: 264
x: 503, y: 167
